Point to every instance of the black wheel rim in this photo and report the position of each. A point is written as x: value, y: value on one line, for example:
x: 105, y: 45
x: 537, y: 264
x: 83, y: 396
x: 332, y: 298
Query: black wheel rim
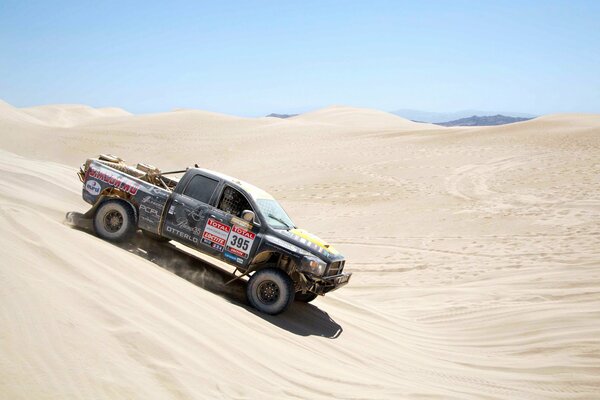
x: 113, y: 221
x: 268, y: 292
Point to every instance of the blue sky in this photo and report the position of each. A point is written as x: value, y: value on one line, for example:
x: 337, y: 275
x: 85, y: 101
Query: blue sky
x: 255, y: 57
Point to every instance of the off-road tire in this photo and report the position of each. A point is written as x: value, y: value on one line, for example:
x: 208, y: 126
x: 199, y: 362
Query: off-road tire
x: 115, y: 221
x: 305, y: 297
x: 270, y: 291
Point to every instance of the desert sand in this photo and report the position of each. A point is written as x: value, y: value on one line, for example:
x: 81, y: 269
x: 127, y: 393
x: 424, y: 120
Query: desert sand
x: 475, y: 253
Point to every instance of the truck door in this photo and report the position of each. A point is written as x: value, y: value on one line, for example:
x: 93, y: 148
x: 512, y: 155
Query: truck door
x: 244, y: 236
x: 187, y: 213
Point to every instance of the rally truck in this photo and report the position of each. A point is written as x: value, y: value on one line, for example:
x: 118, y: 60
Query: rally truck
x: 218, y: 215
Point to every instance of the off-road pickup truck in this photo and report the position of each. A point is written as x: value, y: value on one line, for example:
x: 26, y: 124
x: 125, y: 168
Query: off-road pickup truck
x: 221, y: 216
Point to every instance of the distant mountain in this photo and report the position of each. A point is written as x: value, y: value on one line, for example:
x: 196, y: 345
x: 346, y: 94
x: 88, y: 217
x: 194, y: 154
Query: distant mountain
x: 427, y: 116
x: 488, y: 120
x: 459, y: 118
x: 281, y: 115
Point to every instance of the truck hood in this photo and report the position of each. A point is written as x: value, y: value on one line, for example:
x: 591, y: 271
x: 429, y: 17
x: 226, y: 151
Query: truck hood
x: 312, y: 243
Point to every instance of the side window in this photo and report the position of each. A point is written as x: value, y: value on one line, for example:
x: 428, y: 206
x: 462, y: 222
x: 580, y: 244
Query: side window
x: 233, y: 202
x: 201, y: 188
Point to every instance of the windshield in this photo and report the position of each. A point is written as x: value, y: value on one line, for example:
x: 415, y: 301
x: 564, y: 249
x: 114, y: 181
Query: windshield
x: 276, y: 217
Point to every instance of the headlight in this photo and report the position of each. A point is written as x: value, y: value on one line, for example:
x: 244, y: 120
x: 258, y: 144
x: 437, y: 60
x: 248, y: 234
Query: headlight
x: 313, y: 266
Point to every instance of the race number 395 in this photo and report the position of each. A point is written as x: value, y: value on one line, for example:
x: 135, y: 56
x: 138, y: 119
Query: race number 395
x: 240, y: 241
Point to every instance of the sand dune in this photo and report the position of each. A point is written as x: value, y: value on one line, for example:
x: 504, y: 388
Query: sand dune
x: 361, y: 118
x: 67, y: 115
x: 13, y: 115
x: 475, y: 252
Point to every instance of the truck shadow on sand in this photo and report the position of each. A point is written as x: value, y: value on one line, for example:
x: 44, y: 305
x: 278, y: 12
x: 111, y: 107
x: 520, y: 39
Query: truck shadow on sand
x: 301, y: 319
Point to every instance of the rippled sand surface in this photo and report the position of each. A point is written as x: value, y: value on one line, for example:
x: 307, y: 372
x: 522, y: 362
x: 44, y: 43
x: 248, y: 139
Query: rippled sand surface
x: 475, y: 253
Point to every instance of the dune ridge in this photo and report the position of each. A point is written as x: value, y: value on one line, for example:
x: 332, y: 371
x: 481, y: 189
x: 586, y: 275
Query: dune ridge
x: 68, y: 115
x: 475, y: 252
x: 363, y: 118
x: 12, y: 114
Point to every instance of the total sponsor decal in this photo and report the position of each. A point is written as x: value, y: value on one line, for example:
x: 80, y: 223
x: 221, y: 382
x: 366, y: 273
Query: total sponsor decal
x: 215, y: 234
x: 240, y: 241
x: 182, y: 234
x: 124, y: 184
x: 92, y: 187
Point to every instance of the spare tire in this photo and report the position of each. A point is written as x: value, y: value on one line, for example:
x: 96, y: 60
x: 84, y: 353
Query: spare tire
x: 270, y: 291
x: 109, y: 158
x: 115, y: 221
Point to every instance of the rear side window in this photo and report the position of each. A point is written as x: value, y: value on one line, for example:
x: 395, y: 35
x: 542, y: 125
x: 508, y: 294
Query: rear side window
x: 201, y: 188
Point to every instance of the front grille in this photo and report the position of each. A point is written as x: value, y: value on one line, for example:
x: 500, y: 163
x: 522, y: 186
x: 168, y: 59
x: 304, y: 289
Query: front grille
x: 335, y: 268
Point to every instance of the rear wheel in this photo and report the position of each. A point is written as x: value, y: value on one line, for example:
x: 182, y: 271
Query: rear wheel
x: 305, y: 297
x: 115, y: 221
x: 270, y: 290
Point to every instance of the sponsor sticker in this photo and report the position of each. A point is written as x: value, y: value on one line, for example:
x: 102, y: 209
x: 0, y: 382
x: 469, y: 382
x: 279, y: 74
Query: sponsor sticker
x: 241, y: 222
x: 196, y: 215
x: 217, y: 247
x: 240, y: 241
x: 182, y: 234
x: 182, y: 223
x: 233, y: 258
x: 149, y: 210
x: 92, y: 187
x: 287, y: 246
x: 308, y: 243
x: 118, y: 182
x: 147, y: 220
x: 153, y: 201
x: 215, y: 232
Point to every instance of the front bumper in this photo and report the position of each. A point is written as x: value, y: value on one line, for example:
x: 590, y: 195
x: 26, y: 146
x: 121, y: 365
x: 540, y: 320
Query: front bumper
x: 331, y: 283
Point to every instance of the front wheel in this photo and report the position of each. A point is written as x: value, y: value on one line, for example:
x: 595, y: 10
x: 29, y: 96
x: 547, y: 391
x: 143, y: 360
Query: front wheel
x: 270, y: 290
x: 305, y: 297
x: 114, y: 220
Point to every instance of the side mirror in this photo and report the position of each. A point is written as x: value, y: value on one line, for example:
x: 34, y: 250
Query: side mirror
x: 248, y: 215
